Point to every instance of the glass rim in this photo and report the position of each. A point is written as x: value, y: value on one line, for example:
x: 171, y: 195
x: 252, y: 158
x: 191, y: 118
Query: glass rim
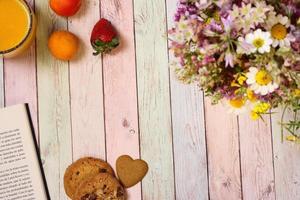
x: 30, y: 12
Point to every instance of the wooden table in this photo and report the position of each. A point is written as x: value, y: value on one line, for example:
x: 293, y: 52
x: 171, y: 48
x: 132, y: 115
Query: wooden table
x: 129, y: 103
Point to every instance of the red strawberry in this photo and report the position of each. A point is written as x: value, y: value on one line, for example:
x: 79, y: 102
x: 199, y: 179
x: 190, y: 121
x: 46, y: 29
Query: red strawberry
x: 104, y: 37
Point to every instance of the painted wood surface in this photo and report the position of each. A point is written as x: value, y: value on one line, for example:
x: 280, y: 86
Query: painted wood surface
x: 23, y: 89
x: 86, y: 88
x: 54, y: 103
x: 154, y: 98
x: 128, y: 102
x: 286, y: 162
x: 119, y: 72
x: 188, y: 133
x: 223, y: 153
x: 256, y: 158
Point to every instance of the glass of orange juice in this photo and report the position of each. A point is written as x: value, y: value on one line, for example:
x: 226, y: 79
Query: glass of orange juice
x: 17, y: 27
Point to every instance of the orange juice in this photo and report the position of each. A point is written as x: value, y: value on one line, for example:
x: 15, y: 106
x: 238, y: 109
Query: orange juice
x: 17, y: 27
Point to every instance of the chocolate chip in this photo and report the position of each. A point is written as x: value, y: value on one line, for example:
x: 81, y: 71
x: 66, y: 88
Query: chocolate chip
x: 90, y: 196
x: 104, y: 186
x: 101, y: 170
x: 77, y: 173
x: 120, y: 192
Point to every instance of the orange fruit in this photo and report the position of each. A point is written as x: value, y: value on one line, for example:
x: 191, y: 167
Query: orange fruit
x: 65, y: 8
x: 63, y: 45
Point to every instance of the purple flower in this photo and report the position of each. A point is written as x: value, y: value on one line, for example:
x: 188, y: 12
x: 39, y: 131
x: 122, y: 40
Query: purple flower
x: 215, y: 27
x: 227, y: 22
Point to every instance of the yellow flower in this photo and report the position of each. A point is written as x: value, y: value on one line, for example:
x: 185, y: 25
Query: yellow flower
x: 251, y: 96
x: 297, y: 92
x: 237, y: 103
x: 241, y: 79
x: 279, y: 31
x: 254, y: 115
x: 260, y: 81
x: 234, y: 84
x: 259, y: 109
x: 263, y: 77
x: 293, y: 138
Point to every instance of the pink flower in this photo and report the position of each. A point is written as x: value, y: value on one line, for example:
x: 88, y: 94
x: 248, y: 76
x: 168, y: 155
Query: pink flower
x: 229, y: 59
x: 227, y: 22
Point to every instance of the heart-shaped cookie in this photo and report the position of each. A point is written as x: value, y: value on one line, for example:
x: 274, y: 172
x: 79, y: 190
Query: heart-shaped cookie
x: 130, y: 171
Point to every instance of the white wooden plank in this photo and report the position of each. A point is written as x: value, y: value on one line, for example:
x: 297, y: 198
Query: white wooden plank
x: 154, y: 98
x: 286, y: 162
x: 53, y: 103
x: 188, y: 134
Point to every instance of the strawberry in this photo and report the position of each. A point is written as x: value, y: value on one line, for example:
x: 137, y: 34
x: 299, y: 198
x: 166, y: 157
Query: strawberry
x: 104, y: 37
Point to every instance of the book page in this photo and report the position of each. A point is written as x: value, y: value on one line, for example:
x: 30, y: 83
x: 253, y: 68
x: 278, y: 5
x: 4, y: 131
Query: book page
x: 21, y: 177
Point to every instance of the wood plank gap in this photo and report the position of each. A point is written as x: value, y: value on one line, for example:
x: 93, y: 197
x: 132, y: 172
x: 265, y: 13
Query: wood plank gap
x: 170, y: 91
x: 154, y: 104
x: 54, y: 106
x: 188, y: 131
x: 273, y: 162
x: 239, y: 139
x: 206, y: 152
x: 137, y: 96
x: 104, y: 116
x: 2, y: 87
x: 171, y: 111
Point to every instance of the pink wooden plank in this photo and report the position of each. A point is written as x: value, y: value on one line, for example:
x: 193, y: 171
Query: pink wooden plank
x: 20, y: 81
x: 121, y: 119
x: 86, y: 88
x: 223, y: 153
x: 256, y: 158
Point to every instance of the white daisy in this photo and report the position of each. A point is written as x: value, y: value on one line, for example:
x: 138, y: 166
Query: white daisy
x: 260, y: 40
x: 278, y: 27
x: 260, y: 81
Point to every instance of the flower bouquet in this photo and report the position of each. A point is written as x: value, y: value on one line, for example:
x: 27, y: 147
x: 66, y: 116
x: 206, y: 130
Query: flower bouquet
x: 242, y: 52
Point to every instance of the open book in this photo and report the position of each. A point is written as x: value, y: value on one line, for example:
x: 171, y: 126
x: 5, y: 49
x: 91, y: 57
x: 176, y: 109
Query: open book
x: 21, y: 175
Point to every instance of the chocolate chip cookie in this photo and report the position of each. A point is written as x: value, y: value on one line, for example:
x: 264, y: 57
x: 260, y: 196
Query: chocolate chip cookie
x: 100, y: 187
x: 82, y: 169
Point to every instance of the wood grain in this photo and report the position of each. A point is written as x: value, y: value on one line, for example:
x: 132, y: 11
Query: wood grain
x: 119, y: 70
x: 189, y: 133
x: 20, y: 81
x: 256, y: 158
x: 1, y: 82
x: 86, y: 88
x: 223, y: 153
x: 54, y: 107
x: 286, y: 162
x: 154, y: 98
